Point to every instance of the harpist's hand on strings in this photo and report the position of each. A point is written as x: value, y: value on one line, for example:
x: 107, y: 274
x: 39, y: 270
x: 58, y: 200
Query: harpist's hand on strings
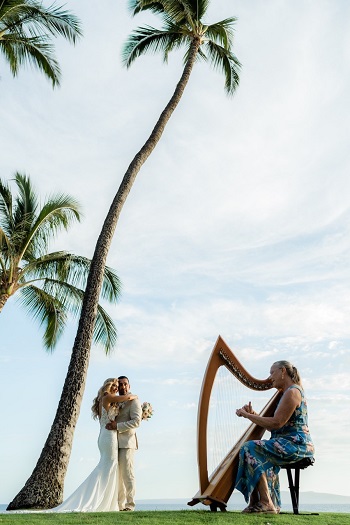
x: 248, y: 408
x: 240, y: 412
x: 245, y: 410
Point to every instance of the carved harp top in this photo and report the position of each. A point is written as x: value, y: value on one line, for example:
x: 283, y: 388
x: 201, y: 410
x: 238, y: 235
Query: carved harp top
x: 218, y: 488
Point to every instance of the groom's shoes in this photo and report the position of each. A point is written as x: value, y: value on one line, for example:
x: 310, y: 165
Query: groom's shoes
x: 126, y: 508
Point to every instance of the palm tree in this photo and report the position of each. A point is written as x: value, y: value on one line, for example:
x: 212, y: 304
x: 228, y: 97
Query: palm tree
x: 50, y: 285
x: 26, y: 31
x: 182, y: 26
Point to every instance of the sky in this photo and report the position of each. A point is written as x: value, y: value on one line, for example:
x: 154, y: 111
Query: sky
x: 238, y: 225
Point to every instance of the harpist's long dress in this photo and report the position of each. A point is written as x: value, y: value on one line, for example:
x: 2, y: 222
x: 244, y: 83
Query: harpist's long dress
x: 99, y: 492
x: 288, y: 444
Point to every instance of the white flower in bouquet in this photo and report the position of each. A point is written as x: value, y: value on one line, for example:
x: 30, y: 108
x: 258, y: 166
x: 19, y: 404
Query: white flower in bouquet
x: 147, y: 410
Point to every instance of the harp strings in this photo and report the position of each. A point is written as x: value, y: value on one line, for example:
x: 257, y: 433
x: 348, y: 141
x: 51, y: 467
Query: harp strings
x: 224, y: 427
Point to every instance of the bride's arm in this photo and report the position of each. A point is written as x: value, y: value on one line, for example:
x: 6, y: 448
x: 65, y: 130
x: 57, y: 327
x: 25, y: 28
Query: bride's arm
x: 114, y: 398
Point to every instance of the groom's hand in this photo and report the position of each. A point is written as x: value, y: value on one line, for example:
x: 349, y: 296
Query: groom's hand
x: 112, y: 425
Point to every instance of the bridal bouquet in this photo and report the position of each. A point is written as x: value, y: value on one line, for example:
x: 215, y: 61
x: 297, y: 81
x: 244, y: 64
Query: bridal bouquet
x: 147, y: 410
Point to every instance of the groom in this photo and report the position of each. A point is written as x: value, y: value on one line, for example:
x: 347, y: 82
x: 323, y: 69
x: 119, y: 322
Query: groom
x: 126, y: 422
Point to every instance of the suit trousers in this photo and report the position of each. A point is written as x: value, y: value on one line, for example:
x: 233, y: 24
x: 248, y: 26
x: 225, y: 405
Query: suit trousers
x: 126, y: 491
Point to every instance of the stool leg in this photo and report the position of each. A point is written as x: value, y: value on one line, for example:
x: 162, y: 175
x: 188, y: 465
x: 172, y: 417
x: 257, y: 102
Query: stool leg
x: 296, y: 486
x: 292, y: 489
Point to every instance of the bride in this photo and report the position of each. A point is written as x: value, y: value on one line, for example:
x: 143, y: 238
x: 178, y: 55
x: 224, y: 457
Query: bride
x: 99, y: 492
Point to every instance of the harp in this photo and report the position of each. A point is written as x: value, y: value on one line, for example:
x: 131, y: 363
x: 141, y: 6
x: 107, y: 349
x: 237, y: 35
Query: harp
x: 215, y: 489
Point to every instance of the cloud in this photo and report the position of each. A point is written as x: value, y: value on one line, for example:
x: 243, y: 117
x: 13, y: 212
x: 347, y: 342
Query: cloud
x: 338, y: 383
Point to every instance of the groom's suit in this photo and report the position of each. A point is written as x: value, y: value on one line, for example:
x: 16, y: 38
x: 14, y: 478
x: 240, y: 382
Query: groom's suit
x: 128, y: 419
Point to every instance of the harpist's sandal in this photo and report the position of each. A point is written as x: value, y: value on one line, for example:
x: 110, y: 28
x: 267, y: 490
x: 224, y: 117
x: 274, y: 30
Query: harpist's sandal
x: 263, y: 509
x: 248, y: 509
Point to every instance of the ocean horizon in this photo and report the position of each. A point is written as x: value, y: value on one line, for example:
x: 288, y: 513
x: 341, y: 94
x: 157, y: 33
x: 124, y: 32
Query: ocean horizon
x: 308, y: 504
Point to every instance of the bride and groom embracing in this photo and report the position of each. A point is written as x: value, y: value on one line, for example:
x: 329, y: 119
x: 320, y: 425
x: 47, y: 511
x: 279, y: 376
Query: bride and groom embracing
x: 111, y: 485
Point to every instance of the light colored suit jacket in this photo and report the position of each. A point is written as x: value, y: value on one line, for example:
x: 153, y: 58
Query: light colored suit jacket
x: 128, y: 419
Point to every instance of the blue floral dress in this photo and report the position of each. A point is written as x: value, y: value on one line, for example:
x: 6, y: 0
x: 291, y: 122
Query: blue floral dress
x: 288, y: 444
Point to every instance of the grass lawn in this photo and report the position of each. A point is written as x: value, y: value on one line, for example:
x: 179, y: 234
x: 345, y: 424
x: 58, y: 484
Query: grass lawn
x: 186, y: 517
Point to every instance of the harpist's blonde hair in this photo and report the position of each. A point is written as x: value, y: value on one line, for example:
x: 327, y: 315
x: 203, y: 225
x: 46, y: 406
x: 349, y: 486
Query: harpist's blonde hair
x: 105, y: 389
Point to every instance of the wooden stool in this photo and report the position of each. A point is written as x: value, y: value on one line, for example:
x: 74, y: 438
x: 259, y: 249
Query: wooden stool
x: 294, y: 485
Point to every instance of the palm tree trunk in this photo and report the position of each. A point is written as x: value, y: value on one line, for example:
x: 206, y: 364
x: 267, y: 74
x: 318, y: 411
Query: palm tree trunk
x: 44, y: 488
x: 3, y: 299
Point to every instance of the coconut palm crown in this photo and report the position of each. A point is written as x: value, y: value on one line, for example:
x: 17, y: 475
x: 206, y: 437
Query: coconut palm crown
x: 27, y: 28
x: 183, y: 26
x: 50, y: 285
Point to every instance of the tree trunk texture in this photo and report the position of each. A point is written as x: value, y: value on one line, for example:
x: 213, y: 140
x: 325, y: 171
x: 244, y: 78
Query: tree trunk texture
x: 44, y: 488
x: 3, y: 299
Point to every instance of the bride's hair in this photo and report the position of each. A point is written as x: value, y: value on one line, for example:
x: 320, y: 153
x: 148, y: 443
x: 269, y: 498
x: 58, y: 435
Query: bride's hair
x: 111, y: 380
x: 105, y: 389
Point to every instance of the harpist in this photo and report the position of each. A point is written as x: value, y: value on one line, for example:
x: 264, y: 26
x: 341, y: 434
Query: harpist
x: 260, y: 460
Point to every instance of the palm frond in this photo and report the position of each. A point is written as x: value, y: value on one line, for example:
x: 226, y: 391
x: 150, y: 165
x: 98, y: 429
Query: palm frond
x: 26, y: 31
x: 14, y: 217
x: 38, y: 52
x: 111, y: 286
x: 224, y: 60
x: 4, y: 242
x: 200, y: 7
x: 180, y: 11
x: 5, y: 248
x: 26, y: 202
x: 47, y: 310
x: 60, y: 211
x: 6, y: 207
x: 176, y: 40
x: 145, y: 39
x: 70, y: 297
x: 59, y: 22
x: 61, y: 266
x: 30, y: 231
x: 105, y: 332
x: 9, y: 54
x: 136, y: 6
x: 190, y: 10
x: 73, y: 269
x: 51, y: 305
x: 222, y: 32
x: 32, y: 16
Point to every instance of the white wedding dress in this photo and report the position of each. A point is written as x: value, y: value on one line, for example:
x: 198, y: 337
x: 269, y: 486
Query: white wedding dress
x: 99, y: 492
